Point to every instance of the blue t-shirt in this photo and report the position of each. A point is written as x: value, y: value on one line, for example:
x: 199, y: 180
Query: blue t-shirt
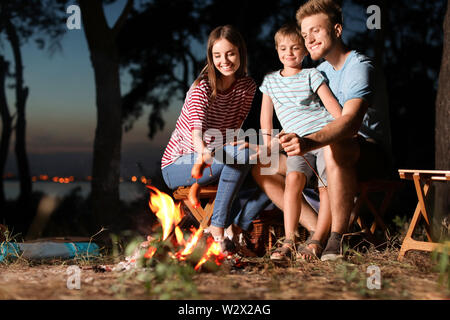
x: 296, y: 103
x: 359, y: 79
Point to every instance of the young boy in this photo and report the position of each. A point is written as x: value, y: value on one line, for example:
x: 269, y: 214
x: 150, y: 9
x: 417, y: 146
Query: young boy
x: 304, y: 104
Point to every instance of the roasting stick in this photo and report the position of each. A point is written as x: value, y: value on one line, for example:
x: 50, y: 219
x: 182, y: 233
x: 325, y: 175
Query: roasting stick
x: 307, y: 162
x: 278, y: 136
x: 314, y: 171
x: 193, y: 196
x: 195, y: 188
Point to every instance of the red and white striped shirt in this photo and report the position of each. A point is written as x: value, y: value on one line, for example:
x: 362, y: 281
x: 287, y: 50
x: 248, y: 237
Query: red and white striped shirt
x: 227, y: 111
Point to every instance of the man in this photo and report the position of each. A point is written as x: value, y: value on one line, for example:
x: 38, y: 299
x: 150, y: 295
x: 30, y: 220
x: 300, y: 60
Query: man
x: 357, y: 145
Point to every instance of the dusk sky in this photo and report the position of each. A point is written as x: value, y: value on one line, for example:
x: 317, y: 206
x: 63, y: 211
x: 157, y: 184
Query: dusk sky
x: 61, y: 112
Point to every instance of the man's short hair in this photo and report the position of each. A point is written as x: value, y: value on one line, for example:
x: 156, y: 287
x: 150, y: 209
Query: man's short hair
x: 289, y: 30
x: 331, y: 8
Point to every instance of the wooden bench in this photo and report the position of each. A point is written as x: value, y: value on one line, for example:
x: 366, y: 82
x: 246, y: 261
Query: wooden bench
x: 385, y: 187
x: 422, y: 181
x: 202, y: 214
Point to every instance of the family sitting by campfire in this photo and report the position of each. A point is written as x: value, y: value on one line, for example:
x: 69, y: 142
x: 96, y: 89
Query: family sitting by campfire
x: 335, y: 129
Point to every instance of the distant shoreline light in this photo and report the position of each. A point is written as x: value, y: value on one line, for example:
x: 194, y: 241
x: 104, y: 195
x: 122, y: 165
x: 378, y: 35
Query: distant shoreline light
x: 65, y: 180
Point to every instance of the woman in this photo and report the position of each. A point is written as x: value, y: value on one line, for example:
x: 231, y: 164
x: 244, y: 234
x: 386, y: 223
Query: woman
x: 218, y: 100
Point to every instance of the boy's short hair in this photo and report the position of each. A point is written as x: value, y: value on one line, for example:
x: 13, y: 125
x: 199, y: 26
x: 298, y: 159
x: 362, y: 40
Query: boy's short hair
x: 289, y: 30
x: 331, y: 8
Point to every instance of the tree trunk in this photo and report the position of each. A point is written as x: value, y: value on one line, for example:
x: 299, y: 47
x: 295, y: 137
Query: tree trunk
x: 21, y: 98
x: 442, y: 133
x: 108, y: 134
x: 6, y: 132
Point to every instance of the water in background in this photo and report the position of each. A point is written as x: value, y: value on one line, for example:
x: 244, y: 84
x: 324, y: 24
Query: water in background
x: 129, y: 191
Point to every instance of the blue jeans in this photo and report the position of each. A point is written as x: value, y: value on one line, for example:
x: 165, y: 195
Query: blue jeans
x: 250, y: 201
x: 230, y: 177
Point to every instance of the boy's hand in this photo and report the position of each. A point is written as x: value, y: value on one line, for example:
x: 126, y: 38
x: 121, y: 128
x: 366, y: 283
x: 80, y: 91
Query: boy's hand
x: 292, y: 144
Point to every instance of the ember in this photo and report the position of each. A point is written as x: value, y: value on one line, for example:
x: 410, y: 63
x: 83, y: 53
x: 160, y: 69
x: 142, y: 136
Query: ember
x: 170, y: 215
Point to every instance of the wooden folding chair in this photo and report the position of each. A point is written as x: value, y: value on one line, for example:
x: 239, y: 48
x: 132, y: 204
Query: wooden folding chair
x: 385, y: 187
x: 425, y: 178
x: 202, y: 214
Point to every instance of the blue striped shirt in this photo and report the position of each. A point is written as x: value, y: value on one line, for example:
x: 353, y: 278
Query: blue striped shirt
x: 296, y: 103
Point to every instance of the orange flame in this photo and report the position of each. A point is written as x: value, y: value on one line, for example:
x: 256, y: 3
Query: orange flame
x: 170, y: 215
x: 213, y: 250
x: 165, y: 209
x: 190, y: 246
x: 179, y: 236
x: 150, y: 252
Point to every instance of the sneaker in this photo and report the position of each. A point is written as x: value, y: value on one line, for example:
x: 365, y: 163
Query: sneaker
x: 243, y: 246
x: 227, y: 246
x: 333, y: 250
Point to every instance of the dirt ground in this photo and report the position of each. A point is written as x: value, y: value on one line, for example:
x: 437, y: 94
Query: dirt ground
x: 414, y: 278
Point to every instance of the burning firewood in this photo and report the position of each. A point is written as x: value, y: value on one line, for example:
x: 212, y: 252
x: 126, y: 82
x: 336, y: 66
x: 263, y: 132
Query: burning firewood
x: 171, y: 216
x: 196, y: 249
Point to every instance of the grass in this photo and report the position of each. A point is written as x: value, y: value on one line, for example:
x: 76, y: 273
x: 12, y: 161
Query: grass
x: 10, y: 238
x: 163, y: 277
x: 419, y: 276
x: 441, y: 258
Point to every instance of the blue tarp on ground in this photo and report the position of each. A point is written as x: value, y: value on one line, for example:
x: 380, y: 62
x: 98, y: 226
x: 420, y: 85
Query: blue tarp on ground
x: 48, y: 250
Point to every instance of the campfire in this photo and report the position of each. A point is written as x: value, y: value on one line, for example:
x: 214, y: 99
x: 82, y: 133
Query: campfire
x: 170, y: 215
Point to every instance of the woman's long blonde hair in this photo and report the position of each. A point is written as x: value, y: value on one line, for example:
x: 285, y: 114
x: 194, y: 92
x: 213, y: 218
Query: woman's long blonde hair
x: 210, y: 72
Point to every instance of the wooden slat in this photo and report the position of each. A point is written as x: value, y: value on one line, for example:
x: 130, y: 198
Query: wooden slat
x: 205, y: 192
x: 437, y: 175
x: 203, y: 215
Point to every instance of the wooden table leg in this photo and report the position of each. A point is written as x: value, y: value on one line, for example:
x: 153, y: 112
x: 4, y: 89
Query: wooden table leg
x: 409, y: 243
x: 421, y: 196
x: 427, y: 176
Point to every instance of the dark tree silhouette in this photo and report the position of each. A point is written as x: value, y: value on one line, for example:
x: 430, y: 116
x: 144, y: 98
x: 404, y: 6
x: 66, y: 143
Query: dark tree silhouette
x: 19, y: 21
x: 6, y: 129
x: 102, y: 44
x: 20, y: 128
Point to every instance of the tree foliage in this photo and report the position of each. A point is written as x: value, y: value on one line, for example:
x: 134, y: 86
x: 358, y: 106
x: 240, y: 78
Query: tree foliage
x: 164, y: 61
x: 409, y: 49
x: 162, y: 46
